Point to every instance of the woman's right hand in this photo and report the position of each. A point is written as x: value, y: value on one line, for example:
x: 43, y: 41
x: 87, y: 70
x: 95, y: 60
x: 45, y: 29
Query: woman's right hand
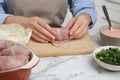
x: 41, y: 31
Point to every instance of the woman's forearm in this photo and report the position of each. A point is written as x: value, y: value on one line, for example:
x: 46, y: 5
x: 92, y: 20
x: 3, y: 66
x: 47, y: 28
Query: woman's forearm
x: 14, y: 19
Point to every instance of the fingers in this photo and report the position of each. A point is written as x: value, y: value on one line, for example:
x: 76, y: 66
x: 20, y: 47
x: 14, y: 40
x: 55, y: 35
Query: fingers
x: 80, y: 33
x: 41, y: 36
x: 71, y: 23
x: 77, y: 23
x: 45, y: 25
x: 74, y: 29
x: 78, y: 28
x: 39, y: 39
x: 40, y: 30
x: 81, y: 30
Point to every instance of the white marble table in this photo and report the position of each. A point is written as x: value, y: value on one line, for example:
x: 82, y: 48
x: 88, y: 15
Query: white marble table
x: 80, y: 67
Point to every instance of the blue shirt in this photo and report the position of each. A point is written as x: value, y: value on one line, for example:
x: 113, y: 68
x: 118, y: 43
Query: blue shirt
x: 77, y: 7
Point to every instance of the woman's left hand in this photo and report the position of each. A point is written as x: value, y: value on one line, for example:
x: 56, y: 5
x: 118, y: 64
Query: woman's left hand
x: 78, y: 26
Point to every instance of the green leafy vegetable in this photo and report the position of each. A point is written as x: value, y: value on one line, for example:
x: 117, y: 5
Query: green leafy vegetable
x: 109, y: 56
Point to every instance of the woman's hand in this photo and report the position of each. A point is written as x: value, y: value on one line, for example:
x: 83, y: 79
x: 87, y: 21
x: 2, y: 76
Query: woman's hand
x: 41, y: 31
x: 78, y: 26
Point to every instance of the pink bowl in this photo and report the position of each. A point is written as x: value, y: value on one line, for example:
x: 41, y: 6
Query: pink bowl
x: 109, y: 39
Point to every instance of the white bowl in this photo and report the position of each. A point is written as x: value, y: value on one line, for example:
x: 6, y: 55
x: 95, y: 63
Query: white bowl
x: 105, y: 65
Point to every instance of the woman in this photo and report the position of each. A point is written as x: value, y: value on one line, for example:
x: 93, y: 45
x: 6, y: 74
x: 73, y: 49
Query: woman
x: 41, y: 15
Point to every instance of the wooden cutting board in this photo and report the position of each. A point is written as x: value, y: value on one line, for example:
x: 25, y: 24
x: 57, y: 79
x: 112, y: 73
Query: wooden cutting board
x: 73, y: 47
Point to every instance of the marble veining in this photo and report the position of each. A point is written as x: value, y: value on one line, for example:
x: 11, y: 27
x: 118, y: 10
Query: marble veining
x: 78, y: 67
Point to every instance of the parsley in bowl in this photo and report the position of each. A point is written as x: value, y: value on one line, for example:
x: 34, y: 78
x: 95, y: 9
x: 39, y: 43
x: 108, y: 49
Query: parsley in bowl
x: 108, y: 57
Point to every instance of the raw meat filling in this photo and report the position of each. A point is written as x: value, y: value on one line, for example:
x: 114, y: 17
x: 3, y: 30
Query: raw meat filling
x: 5, y: 44
x: 15, y: 50
x: 12, y: 62
x: 12, y: 55
x: 61, y: 34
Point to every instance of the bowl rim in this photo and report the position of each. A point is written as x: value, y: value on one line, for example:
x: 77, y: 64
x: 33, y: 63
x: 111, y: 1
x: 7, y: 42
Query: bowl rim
x: 105, y: 27
x: 103, y: 64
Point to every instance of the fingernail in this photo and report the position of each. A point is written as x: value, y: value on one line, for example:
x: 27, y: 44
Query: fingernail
x: 71, y: 33
x: 53, y: 37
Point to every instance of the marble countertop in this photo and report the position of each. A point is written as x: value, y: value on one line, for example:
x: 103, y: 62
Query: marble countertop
x: 79, y: 67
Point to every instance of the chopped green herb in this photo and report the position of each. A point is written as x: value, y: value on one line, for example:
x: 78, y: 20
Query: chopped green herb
x: 109, y: 56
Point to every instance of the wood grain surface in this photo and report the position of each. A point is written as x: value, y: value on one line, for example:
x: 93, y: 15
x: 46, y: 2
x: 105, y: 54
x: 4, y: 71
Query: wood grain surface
x: 73, y: 47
